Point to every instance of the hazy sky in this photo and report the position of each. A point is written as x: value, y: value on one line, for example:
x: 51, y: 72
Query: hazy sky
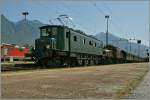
x: 128, y: 19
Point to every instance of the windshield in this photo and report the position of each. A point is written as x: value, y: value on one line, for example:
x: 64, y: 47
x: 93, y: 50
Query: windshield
x: 48, y: 31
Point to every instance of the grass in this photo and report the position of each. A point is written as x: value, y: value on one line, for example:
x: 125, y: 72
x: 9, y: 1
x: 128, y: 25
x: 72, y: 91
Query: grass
x: 107, y: 82
x: 131, y: 84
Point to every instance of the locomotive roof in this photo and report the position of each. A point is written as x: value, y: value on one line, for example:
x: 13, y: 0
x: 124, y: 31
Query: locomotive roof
x: 46, y: 26
x: 79, y: 31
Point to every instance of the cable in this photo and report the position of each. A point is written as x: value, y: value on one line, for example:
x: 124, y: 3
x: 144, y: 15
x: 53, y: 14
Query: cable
x: 54, y: 10
x: 116, y: 20
x: 79, y: 14
x: 114, y: 24
x: 101, y: 11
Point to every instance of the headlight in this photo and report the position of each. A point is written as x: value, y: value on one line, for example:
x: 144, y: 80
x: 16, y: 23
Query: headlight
x: 47, y: 46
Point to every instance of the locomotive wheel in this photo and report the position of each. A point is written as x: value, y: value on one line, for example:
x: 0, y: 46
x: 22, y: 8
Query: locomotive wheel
x: 44, y: 63
x: 37, y: 62
x: 73, y: 62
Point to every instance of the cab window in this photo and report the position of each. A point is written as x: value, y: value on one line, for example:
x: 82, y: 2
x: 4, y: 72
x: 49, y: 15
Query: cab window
x: 43, y: 32
x: 48, y: 31
x: 54, y: 31
x: 75, y: 38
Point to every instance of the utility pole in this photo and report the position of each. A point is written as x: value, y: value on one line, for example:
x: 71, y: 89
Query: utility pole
x: 107, y: 17
x: 127, y: 48
x: 25, y: 14
x: 130, y: 46
x: 139, y: 42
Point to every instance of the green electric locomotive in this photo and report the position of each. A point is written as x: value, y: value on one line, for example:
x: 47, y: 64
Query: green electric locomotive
x: 63, y: 46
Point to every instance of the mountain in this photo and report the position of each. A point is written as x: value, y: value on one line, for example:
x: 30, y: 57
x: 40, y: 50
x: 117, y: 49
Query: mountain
x: 10, y: 29
x: 122, y: 43
x: 26, y: 31
x: 7, y: 30
x: 22, y: 32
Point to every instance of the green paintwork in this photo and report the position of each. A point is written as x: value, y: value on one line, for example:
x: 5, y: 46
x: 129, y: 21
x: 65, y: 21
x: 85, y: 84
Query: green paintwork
x: 62, y: 42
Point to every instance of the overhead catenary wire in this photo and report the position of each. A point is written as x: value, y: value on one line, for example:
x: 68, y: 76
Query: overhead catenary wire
x: 77, y: 13
x: 72, y: 11
x: 114, y: 18
x: 99, y: 10
x: 112, y: 22
x: 56, y: 11
x: 53, y: 10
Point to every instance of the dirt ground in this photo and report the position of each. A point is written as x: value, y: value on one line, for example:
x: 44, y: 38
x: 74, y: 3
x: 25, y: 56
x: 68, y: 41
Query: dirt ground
x: 102, y: 81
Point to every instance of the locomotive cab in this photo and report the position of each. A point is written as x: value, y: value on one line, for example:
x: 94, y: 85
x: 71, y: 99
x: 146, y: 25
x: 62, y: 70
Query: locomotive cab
x: 49, y: 33
x: 48, y: 45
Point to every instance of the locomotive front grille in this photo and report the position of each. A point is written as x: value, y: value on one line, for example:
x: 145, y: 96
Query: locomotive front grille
x: 40, y: 48
x: 43, y: 48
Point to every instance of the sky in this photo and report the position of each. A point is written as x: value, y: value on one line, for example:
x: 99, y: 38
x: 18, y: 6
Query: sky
x: 128, y: 19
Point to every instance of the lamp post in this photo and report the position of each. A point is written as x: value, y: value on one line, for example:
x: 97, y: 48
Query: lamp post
x: 139, y: 42
x: 107, y: 17
x: 25, y: 14
x: 130, y: 45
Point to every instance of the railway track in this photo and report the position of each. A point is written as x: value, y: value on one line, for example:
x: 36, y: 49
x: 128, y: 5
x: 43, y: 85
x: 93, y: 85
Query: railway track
x: 23, y: 66
x: 17, y: 66
x: 26, y: 66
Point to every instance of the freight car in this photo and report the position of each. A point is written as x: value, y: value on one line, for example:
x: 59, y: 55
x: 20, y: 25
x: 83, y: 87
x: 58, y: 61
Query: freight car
x: 63, y: 46
x: 133, y: 58
x: 113, y: 54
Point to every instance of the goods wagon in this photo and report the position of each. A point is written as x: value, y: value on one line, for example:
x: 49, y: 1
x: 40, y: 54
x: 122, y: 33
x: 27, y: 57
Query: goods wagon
x: 113, y: 54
